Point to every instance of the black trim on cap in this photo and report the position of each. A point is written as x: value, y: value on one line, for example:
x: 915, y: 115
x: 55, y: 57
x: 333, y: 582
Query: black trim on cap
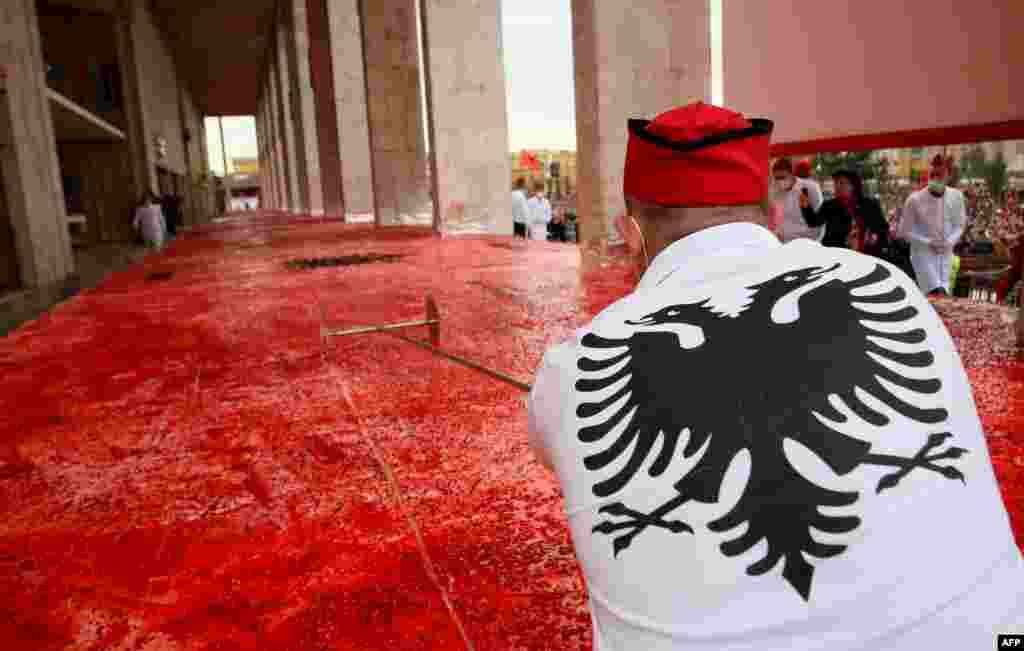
x: 759, y: 127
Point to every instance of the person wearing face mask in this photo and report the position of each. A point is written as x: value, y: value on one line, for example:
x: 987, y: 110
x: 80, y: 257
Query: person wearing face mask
x: 852, y: 219
x: 933, y: 221
x: 788, y: 190
x: 706, y: 428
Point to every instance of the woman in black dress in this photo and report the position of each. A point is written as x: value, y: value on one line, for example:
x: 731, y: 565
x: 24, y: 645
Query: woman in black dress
x: 852, y: 220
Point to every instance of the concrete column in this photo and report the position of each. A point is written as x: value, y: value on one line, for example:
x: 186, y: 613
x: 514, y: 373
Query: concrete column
x: 321, y: 70
x: 28, y: 152
x: 620, y: 77
x: 353, y: 127
x: 307, y: 151
x: 143, y: 163
x: 397, y: 141
x: 261, y: 160
x: 280, y: 168
x: 469, y: 125
x: 285, y: 142
x: 267, y: 145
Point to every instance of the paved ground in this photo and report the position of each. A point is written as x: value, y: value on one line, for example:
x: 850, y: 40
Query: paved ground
x: 184, y: 464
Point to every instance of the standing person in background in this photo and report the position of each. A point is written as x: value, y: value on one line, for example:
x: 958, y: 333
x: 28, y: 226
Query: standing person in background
x: 539, y: 213
x: 520, y: 211
x: 802, y: 170
x: 787, y: 191
x: 933, y: 221
x: 169, y: 206
x: 150, y: 219
x: 557, y: 226
x: 852, y: 220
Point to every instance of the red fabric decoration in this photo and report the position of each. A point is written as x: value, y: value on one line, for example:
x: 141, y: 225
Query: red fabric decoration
x: 528, y: 160
x: 669, y: 161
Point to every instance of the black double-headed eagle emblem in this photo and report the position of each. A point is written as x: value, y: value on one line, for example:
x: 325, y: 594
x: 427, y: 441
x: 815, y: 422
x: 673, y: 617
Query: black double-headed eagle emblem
x: 757, y: 383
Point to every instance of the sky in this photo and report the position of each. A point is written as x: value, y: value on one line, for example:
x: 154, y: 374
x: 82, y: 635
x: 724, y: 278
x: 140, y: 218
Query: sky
x: 537, y: 45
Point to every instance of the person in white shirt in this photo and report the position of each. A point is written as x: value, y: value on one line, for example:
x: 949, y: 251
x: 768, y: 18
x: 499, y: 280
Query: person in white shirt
x: 150, y: 219
x: 520, y: 210
x: 768, y: 446
x: 539, y: 210
x: 787, y: 191
x: 932, y: 222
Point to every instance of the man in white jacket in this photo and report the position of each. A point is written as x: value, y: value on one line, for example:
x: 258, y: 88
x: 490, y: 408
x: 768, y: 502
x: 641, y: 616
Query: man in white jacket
x: 787, y: 191
x: 520, y: 210
x: 539, y: 209
x: 933, y: 221
x: 768, y: 446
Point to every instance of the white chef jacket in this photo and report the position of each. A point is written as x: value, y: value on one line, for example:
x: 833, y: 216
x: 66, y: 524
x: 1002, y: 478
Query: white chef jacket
x: 520, y: 210
x: 933, y: 563
x: 793, y: 224
x: 151, y: 219
x: 926, y: 218
x: 539, y: 217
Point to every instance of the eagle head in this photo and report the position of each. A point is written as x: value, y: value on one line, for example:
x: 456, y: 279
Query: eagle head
x: 779, y: 286
x: 690, y: 314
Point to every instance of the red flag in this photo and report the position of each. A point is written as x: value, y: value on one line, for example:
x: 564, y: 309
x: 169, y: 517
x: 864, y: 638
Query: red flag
x: 528, y: 161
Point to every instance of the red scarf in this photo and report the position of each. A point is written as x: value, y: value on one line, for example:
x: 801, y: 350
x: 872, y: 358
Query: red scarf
x: 856, y: 223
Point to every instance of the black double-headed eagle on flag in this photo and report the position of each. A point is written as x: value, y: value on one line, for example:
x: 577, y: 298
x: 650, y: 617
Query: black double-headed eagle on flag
x: 757, y: 382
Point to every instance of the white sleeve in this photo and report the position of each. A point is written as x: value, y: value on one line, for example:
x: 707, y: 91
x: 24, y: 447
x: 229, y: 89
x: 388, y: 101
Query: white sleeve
x: 957, y: 218
x: 544, y: 410
x: 816, y: 198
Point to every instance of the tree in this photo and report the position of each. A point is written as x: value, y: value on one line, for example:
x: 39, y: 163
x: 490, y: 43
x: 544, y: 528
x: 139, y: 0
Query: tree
x: 996, y: 176
x: 973, y: 162
x: 864, y: 163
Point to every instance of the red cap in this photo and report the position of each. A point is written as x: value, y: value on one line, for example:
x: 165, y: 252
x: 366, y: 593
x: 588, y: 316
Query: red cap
x: 698, y: 155
x: 803, y: 168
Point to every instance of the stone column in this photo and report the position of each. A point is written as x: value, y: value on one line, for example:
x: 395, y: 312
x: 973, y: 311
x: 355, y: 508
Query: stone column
x: 307, y: 149
x: 396, y: 120
x: 283, y: 132
x: 353, y: 127
x: 321, y: 70
x: 620, y: 77
x: 143, y: 163
x: 261, y: 160
x: 28, y: 152
x: 469, y: 124
x: 273, y: 165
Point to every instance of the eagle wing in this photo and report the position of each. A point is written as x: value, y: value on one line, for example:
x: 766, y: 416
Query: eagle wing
x: 828, y: 350
x: 840, y: 344
x: 646, y: 408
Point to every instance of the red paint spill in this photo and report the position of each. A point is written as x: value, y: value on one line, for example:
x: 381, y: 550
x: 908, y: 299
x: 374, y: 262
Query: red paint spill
x: 177, y: 468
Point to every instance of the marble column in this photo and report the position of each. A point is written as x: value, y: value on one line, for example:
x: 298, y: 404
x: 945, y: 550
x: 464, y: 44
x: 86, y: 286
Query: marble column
x: 349, y: 75
x: 398, y: 145
x: 468, y: 116
x: 28, y: 152
x: 620, y: 76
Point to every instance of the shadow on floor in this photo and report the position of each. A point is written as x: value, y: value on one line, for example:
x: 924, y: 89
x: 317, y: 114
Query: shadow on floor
x: 92, y: 265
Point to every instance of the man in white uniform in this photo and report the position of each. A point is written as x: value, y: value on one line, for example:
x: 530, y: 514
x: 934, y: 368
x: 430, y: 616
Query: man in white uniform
x: 520, y: 211
x: 768, y: 446
x: 786, y: 192
x: 933, y: 221
x: 539, y: 210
